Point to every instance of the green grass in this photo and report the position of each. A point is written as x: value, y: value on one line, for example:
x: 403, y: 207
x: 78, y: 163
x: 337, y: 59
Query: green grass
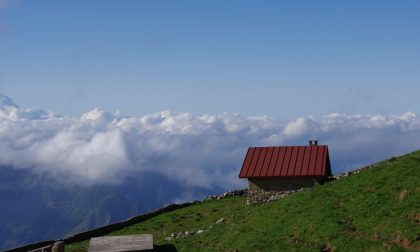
x: 375, y: 210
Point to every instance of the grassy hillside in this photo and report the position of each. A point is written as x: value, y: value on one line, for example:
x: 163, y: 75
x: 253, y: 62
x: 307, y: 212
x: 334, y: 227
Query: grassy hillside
x: 375, y: 210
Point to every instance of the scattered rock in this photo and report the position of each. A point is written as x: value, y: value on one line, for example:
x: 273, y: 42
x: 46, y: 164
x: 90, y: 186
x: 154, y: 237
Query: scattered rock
x: 184, y: 234
x: 328, y: 247
x: 236, y: 192
x: 257, y: 198
x: 371, y: 189
x: 403, y: 195
x: 415, y: 218
x: 346, y: 174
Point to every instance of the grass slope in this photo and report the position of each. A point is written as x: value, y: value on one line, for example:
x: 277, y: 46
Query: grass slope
x: 374, y: 210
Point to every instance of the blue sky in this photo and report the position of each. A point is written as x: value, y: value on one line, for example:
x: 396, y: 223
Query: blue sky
x: 283, y: 59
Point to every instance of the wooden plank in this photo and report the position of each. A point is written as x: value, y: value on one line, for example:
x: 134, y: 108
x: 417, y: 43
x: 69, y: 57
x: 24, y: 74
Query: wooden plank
x: 142, y: 242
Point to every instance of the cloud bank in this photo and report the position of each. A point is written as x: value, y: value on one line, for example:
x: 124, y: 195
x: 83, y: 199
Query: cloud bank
x: 205, y: 151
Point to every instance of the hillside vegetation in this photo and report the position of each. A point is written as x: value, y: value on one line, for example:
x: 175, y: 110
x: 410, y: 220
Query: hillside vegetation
x: 375, y: 210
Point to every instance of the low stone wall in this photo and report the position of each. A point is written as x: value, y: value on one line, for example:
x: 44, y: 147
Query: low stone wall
x: 32, y: 246
x: 119, y: 225
x: 236, y: 192
x: 261, y: 190
x: 346, y: 174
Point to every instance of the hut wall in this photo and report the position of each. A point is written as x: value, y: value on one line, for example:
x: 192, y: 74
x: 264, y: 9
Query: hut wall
x: 262, y: 190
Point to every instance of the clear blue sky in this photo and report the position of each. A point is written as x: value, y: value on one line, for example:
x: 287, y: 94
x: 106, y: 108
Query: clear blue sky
x: 278, y: 58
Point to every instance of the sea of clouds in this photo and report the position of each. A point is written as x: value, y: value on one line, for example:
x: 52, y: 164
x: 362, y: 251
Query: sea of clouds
x: 205, y: 151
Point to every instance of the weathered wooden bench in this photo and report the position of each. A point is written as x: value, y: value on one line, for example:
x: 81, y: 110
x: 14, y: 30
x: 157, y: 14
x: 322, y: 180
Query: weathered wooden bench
x: 142, y: 242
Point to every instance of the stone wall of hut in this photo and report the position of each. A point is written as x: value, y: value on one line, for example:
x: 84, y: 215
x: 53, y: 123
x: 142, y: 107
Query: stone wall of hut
x: 262, y: 190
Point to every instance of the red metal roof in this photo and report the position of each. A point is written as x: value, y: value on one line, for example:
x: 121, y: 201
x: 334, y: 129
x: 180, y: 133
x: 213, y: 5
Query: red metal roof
x: 286, y: 161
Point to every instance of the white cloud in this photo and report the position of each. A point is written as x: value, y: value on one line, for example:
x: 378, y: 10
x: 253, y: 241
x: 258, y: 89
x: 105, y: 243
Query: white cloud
x: 297, y: 127
x: 205, y: 151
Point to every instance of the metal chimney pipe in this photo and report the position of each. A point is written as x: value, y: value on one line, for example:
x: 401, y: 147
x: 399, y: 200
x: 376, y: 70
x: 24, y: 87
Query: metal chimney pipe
x: 313, y: 142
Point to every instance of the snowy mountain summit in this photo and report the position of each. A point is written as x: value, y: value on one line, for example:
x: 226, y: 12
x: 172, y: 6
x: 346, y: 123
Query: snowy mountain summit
x: 6, y: 101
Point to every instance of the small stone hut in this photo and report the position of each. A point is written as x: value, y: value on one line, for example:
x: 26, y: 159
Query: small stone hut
x: 276, y: 171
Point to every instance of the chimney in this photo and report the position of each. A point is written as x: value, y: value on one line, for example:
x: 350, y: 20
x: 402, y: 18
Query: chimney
x: 313, y: 142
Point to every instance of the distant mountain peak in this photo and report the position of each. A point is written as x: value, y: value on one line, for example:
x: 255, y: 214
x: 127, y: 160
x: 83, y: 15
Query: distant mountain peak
x: 6, y: 101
